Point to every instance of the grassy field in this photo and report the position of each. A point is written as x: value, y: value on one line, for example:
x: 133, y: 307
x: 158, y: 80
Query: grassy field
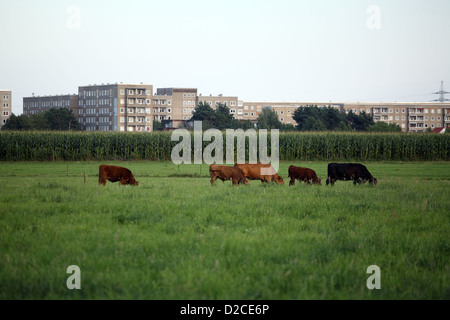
x: 176, y: 237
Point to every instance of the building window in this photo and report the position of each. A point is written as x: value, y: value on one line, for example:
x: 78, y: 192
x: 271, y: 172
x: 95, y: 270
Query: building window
x: 169, y: 110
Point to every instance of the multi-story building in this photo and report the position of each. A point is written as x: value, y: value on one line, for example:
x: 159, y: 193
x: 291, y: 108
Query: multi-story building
x: 5, y: 105
x: 284, y: 110
x: 115, y: 107
x: 411, y: 117
x: 134, y: 107
x: 36, y: 104
x: 174, y: 105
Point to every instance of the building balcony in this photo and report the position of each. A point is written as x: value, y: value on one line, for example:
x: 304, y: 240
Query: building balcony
x: 416, y: 119
x: 416, y: 111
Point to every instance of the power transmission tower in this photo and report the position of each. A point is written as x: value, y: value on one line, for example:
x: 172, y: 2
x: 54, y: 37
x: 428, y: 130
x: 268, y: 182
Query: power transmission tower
x: 441, y: 94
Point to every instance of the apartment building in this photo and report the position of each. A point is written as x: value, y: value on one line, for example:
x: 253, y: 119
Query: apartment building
x: 5, y: 105
x: 411, y: 117
x: 134, y: 107
x: 174, y: 105
x: 36, y: 104
x: 115, y: 107
x: 284, y: 110
x: 233, y: 103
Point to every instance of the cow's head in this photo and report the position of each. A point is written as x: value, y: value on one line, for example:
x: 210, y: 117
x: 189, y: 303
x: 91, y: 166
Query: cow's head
x: 319, y: 182
x: 278, y: 179
x: 133, y: 181
x: 375, y: 181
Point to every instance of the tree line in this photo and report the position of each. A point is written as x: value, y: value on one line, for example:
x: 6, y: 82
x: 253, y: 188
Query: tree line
x: 308, y: 118
x: 57, y: 119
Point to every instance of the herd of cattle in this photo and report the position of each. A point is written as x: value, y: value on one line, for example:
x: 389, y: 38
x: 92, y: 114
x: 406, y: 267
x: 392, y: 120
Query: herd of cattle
x: 241, y: 173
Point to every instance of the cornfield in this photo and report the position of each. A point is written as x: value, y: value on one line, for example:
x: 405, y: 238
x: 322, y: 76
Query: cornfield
x: 76, y: 146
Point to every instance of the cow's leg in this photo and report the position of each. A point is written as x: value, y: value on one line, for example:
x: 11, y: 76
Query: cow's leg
x: 292, y: 182
x: 101, y: 177
x: 102, y: 180
x: 213, y: 178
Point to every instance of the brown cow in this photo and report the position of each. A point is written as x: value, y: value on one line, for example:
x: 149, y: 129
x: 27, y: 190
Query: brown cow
x: 226, y: 173
x: 259, y: 171
x: 303, y: 174
x: 114, y: 174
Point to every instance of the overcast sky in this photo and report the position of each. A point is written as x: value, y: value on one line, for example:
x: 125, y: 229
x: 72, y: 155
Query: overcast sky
x: 266, y: 50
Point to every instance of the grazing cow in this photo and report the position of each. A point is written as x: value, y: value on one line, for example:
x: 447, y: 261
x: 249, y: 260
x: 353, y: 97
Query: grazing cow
x: 226, y: 173
x: 307, y: 175
x: 259, y: 171
x: 349, y: 171
x: 114, y: 174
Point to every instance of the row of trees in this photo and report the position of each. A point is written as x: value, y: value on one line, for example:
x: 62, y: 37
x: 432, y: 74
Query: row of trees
x: 60, y: 119
x: 313, y: 118
x: 308, y: 118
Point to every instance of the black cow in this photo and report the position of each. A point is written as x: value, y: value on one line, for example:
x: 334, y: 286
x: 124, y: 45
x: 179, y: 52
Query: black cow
x: 349, y: 171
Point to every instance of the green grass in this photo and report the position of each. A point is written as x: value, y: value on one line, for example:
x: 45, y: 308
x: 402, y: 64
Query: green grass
x: 176, y: 237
